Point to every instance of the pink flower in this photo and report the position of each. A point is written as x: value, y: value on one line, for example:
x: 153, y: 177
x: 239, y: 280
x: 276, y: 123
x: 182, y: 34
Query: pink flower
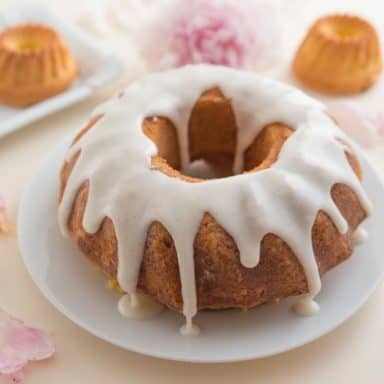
x: 237, y: 34
x: 3, y: 217
x: 362, y: 126
x: 20, y: 344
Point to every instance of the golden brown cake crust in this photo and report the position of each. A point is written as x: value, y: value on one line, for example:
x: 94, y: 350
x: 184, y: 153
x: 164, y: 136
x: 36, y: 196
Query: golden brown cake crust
x: 221, y: 280
x: 340, y: 54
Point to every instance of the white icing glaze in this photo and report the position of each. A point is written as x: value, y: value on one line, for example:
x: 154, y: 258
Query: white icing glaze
x: 360, y: 235
x: 204, y: 170
x: 306, y: 306
x: 284, y: 199
x: 189, y: 328
x: 139, y: 306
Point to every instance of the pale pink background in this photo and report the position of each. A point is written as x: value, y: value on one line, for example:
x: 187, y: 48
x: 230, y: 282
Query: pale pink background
x: 351, y: 354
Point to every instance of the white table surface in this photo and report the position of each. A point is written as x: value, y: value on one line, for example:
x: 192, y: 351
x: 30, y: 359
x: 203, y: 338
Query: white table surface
x: 351, y: 354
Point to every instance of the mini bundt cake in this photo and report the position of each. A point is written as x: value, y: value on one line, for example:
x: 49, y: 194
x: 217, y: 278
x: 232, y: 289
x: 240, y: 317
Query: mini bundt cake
x: 340, y: 54
x: 35, y: 63
x: 269, y: 231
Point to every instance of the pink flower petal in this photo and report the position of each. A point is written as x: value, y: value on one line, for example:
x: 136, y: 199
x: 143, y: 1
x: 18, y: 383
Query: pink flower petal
x: 3, y: 216
x: 14, y: 378
x: 356, y: 122
x: 20, y: 344
x: 17, y: 377
x: 237, y: 34
x: 378, y: 121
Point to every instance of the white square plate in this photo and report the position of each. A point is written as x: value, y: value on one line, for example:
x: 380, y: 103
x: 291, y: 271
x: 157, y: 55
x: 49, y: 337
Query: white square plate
x: 97, y: 66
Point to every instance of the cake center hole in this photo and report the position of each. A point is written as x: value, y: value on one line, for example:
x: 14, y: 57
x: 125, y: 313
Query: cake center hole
x: 207, y: 164
x: 212, y: 140
x: 204, y: 169
x: 345, y: 28
x: 25, y: 43
x: 345, y: 31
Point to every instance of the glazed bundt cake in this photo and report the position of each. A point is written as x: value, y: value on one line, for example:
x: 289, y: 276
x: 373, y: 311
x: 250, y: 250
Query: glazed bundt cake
x: 35, y: 63
x: 285, y: 216
x: 340, y: 54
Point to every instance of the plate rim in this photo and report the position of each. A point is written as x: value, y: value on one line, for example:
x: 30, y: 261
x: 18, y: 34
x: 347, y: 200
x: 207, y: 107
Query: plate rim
x: 83, y: 324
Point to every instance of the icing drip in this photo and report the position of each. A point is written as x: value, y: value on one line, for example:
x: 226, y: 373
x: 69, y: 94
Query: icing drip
x: 189, y: 329
x: 294, y: 189
x: 306, y: 306
x: 139, y: 306
x: 360, y: 235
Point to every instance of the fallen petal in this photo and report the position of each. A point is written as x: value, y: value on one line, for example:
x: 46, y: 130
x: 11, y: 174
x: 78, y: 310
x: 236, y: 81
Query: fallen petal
x: 355, y: 121
x: 20, y: 344
x: 4, y: 227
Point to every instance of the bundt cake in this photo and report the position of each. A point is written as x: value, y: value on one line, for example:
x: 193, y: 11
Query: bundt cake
x: 285, y: 216
x: 340, y: 54
x: 35, y: 63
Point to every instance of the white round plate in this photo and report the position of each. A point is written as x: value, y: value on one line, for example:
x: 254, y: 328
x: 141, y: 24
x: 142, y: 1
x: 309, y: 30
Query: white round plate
x: 79, y: 291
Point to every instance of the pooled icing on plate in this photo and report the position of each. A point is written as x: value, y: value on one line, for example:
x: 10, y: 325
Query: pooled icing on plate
x: 139, y: 306
x: 294, y: 189
x: 360, y: 235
